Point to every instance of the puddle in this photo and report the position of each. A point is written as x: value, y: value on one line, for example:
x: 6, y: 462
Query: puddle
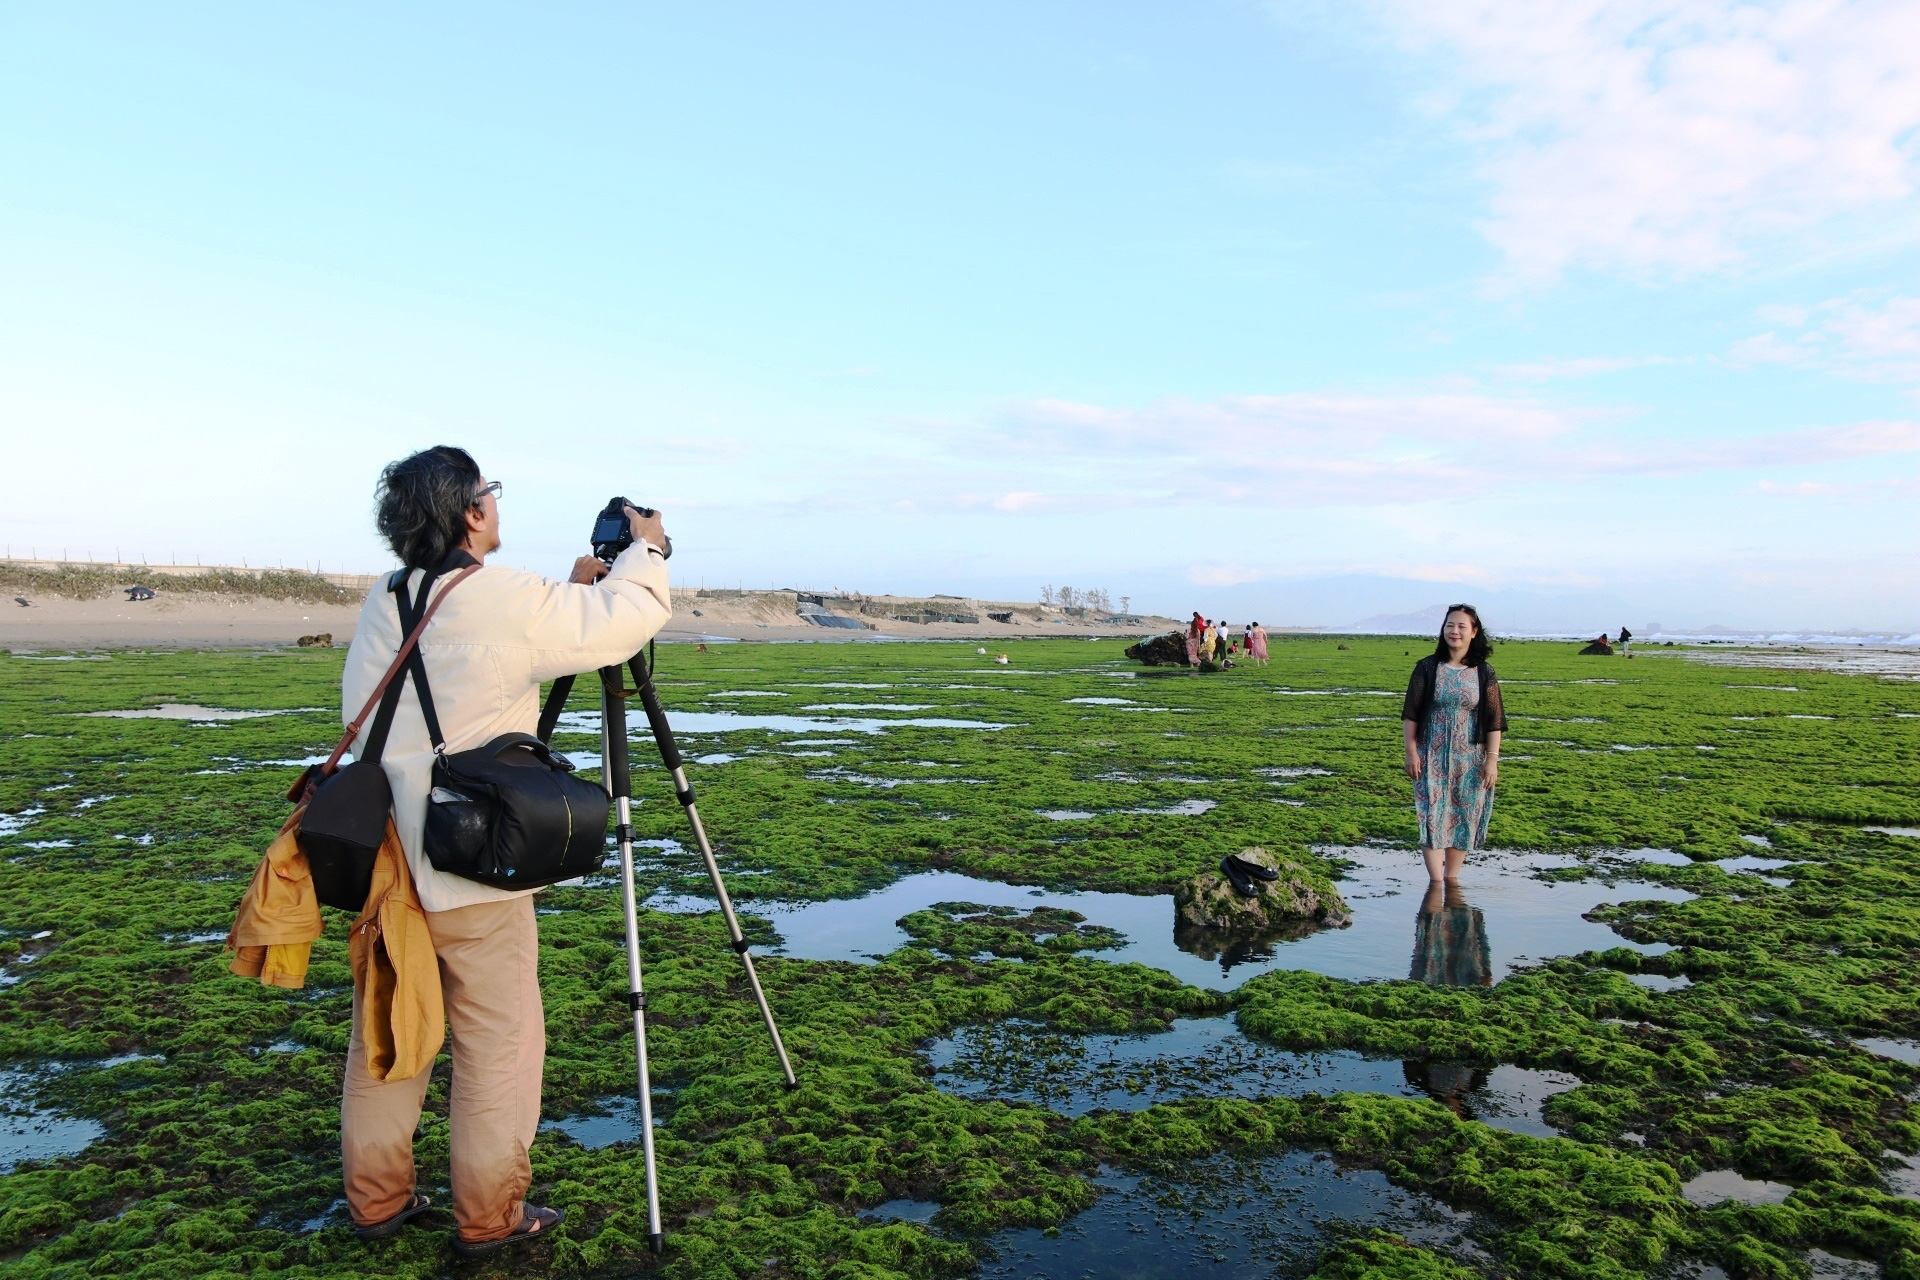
x: 1102, y: 702
x: 921, y: 1211
x: 1501, y: 917
x: 1725, y: 1184
x: 1660, y: 981
x: 334, y: 1214
x: 717, y: 757
x: 1903, y: 1175
x: 1210, y: 1057
x: 1760, y: 841
x: 1833, y: 1266
x: 840, y: 773
x: 1907, y: 1051
x: 1226, y: 1216
x: 28, y: 1132
x: 735, y: 721
x: 872, y: 706
x: 14, y: 823
x: 750, y: 693
x: 1185, y: 808
x: 619, y: 1121
x: 237, y: 764
x: 1911, y: 833
x: 1295, y: 771
x: 190, y: 711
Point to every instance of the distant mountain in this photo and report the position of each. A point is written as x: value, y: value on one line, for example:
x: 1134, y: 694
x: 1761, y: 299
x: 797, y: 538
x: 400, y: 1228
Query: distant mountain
x: 1421, y: 622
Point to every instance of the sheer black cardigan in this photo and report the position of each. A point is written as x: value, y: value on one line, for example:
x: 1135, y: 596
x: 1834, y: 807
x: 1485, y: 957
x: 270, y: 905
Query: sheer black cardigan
x: 1491, y: 717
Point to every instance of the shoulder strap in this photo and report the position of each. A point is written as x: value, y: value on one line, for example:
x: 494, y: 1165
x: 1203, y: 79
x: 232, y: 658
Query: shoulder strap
x: 416, y: 666
x: 407, y: 648
x: 556, y: 703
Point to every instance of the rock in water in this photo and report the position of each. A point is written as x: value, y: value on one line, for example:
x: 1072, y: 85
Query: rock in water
x: 1169, y: 650
x: 322, y: 641
x: 1299, y: 897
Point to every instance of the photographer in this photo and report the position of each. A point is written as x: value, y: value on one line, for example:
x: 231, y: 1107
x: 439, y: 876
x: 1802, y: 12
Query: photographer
x: 486, y: 652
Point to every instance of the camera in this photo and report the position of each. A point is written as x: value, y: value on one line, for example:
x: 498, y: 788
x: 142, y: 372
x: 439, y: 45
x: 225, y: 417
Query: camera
x: 612, y: 534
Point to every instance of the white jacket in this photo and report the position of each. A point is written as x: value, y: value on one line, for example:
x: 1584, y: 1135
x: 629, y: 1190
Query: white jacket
x: 499, y: 634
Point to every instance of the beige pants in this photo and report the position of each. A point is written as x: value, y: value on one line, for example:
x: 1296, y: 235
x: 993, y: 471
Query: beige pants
x: 489, y: 957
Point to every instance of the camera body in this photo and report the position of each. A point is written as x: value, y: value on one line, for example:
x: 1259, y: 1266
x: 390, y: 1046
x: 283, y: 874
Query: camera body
x: 612, y: 534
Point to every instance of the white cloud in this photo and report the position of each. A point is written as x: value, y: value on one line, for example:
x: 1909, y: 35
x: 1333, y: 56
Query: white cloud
x: 1576, y: 367
x: 1872, y: 341
x: 1657, y: 138
x: 1373, y: 452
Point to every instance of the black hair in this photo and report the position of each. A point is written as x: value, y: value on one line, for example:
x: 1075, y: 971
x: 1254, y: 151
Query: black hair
x: 1478, y: 648
x: 422, y: 504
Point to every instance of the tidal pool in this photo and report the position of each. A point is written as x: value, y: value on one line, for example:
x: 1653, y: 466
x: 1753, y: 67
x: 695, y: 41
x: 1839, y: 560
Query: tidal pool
x: 28, y: 1132
x: 617, y: 1119
x: 697, y: 722
x: 1210, y: 1057
x: 1501, y: 916
x: 1716, y: 1185
x: 1225, y: 1218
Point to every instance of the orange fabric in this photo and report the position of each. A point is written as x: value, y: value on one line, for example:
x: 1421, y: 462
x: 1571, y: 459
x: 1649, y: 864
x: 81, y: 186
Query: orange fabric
x: 396, y: 978
x: 395, y: 975
x: 279, y: 916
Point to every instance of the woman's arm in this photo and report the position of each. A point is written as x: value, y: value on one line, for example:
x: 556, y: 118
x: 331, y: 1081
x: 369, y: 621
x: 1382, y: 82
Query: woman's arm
x: 1410, y: 731
x: 1493, y: 758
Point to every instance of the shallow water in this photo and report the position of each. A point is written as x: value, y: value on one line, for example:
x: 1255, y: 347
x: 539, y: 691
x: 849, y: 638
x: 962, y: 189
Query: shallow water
x: 1716, y: 1185
x: 1500, y: 907
x: 1210, y: 1057
x: 1226, y: 1219
x: 620, y: 1121
x: 697, y: 722
x: 1907, y: 1051
x: 190, y: 711
x: 28, y: 1132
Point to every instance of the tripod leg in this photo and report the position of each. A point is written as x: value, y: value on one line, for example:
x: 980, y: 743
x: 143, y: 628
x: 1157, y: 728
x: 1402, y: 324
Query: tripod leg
x: 613, y: 758
x: 670, y: 756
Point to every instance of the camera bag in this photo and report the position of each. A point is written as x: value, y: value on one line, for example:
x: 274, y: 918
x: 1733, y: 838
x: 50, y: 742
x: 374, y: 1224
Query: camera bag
x: 509, y: 813
x: 347, y: 808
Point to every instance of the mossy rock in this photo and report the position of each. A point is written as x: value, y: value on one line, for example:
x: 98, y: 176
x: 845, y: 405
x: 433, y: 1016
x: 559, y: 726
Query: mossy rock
x: 1299, y: 896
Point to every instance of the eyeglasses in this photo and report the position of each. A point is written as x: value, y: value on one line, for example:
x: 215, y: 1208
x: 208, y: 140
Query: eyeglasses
x: 491, y: 487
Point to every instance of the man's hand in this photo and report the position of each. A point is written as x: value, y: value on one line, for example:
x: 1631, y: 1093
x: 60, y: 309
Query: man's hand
x: 588, y: 569
x: 647, y: 529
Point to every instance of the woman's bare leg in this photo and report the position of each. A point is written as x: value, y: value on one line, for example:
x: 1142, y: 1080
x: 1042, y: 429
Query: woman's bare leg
x: 1456, y: 858
x: 1436, y: 860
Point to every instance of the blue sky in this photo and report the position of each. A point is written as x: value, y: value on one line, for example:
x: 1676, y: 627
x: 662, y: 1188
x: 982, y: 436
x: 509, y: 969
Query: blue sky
x: 1599, y: 312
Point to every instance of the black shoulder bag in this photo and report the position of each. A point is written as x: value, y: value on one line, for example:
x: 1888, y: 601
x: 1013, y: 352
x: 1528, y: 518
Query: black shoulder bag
x: 347, y: 808
x: 510, y: 814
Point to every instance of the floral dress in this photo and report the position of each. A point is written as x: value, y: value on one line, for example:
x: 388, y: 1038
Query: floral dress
x: 1452, y: 796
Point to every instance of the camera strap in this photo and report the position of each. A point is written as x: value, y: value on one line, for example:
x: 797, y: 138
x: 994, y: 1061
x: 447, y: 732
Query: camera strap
x: 388, y: 689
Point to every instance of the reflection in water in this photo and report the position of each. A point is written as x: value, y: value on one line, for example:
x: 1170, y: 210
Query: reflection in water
x: 1450, y: 941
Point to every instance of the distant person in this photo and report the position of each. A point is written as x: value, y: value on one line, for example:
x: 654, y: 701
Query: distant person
x: 1220, y: 642
x: 500, y: 634
x: 1626, y: 642
x: 1452, y: 722
x: 1598, y: 647
x: 1257, y: 644
x: 1208, y: 638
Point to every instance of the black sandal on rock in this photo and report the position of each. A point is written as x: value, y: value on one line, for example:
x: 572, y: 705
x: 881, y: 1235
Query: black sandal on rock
x: 1254, y: 869
x: 535, y: 1223
x: 1242, y: 882
x: 391, y: 1226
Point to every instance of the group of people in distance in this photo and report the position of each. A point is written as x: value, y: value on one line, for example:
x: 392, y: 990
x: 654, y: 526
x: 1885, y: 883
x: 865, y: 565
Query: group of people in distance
x: 1210, y: 641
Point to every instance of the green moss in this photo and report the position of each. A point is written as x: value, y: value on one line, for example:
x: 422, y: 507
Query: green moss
x: 219, y: 1148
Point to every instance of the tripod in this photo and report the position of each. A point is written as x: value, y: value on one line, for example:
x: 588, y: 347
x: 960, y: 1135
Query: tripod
x: 614, y: 769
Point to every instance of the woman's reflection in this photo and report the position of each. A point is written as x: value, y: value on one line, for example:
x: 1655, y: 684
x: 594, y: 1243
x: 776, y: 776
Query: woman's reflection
x: 1450, y: 940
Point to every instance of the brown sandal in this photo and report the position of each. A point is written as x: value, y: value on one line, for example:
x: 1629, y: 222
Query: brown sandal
x: 535, y: 1222
x: 391, y: 1226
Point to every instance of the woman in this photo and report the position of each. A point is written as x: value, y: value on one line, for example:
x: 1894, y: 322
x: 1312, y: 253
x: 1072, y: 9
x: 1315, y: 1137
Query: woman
x: 1257, y: 643
x: 1452, y: 722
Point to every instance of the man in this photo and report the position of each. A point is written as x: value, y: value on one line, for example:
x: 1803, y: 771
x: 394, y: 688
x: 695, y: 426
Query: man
x: 487, y: 650
x: 1626, y: 642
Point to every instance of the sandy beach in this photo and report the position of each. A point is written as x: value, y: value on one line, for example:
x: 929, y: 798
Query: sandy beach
x: 217, y: 622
